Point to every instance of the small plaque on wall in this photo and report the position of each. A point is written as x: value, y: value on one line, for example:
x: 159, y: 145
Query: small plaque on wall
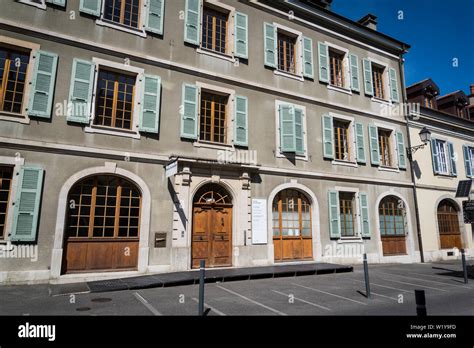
x: 259, y: 221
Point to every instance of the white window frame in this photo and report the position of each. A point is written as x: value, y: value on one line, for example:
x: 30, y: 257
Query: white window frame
x: 17, y: 162
x: 134, y: 132
x: 386, y: 86
x: 31, y: 3
x: 140, y: 31
x: 471, y: 150
x: 278, y: 152
x: 34, y: 48
x: 345, y: 67
x: 229, y: 146
x: 443, y: 144
x: 393, y: 148
x: 357, y: 226
x: 351, y: 140
x: 299, y: 52
x: 229, y: 56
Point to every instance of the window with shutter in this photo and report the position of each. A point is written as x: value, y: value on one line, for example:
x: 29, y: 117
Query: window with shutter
x: 6, y: 178
x: 42, y: 86
x: 13, y: 79
x: 291, y: 130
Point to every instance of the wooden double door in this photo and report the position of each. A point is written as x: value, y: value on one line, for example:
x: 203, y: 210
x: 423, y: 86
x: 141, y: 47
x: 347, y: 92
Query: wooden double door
x: 212, y: 235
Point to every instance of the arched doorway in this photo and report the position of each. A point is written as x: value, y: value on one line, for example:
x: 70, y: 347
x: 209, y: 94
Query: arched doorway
x: 212, y: 227
x: 392, y: 219
x: 292, y: 231
x: 102, y: 225
x: 448, y: 224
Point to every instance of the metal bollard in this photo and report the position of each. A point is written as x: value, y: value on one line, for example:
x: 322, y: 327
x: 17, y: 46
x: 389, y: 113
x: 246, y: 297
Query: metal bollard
x: 366, y: 275
x: 464, y: 265
x: 420, y: 303
x: 202, y: 276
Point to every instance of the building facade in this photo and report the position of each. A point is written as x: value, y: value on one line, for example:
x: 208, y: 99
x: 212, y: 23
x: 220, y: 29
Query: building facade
x: 149, y: 136
x: 437, y: 174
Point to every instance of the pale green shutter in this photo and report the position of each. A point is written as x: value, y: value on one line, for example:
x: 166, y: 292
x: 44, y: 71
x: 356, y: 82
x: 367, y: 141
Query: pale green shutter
x: 42, y: 86
x: 189, y: 117
x: 394, y: 96
x: 80, y: 91
x: 241, y: 41
x: 402, y: 157
x: 374, y: 145
x: 241, y: 121
x: 360, y: 142
x: 299, y: 132
x: 287, y: 128
x: 92, y: 7
x: 452, y: 156
x: 334, y: 217
x: 354, y: 63
x: 150, y: 115
x: 270, y: 45
x: 308, y: 69
x: 328, y: 136
x: 27, y: 205
x: 364, y: 215
x: 192, y: 22
x: 468, y: 161
x: 435, y: 156
x: 368, y: 84
x: 155, y: 17
x: 323, y: 62
x: 61, y: 3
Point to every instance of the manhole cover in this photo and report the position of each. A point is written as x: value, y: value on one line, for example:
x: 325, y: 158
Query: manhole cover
x: 101, y: 299
x: 83, y: 309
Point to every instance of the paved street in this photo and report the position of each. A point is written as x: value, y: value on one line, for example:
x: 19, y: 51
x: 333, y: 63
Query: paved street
x: 334, y: 294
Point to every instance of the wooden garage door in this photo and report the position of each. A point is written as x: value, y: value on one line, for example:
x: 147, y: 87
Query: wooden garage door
x: 212, y: 228
x: 103, y: 219
x: 448, y: 221
x: 292, y: 234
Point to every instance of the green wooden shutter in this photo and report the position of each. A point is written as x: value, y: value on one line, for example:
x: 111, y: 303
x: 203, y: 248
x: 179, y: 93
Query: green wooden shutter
x: 468, y: 161
x: 27, y: 204
x: 328, y: 136
x: 61, y: 3
x: 364, y: 215
x: 360, y: 142
x: 241, y: 121
x: 270, y: 45
x: 241, y: 41
x: 287, y: 128
x: 323, y: 62
x: 150, y: 115
x: 189, y: 117
x: 402, y: 157
x: 394, y: 96
x: 354, y: 62
x: 368, y: 84
x: 42, y: 86
x: 334, y: 217
x: 155, y: 16
x: 374, y: 145
x: 91, y: 7
x: 192, y: 22
x: 80, y: 91
x: 308, y: 65
x: 452, y: 156
x: 299, y: 132
x: 435, y: 156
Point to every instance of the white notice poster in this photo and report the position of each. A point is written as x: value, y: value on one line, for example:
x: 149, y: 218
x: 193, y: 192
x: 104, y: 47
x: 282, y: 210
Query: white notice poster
x: 259, y: 221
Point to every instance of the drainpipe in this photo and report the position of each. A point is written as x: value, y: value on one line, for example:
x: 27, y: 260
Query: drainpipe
x: 412, y: 170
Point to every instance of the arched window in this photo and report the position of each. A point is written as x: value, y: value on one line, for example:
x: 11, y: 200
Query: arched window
x: 392, y: 217
x: 104, y: 206
x: 448, y: 223
x: 212, y: 194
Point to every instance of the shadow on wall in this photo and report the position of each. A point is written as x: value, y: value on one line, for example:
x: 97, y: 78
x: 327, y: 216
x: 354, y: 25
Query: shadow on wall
x: 417, y: 170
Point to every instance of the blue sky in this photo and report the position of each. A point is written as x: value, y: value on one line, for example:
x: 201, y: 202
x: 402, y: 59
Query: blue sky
x: 437, y: 30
